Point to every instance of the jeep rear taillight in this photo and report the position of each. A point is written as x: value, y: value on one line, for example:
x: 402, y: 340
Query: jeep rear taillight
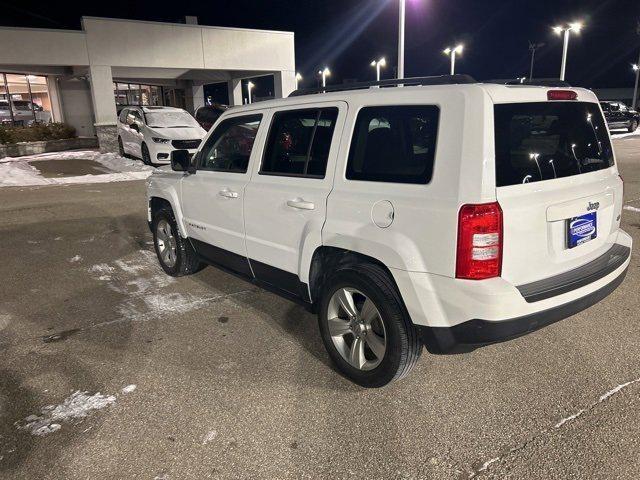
x: 479, y: 253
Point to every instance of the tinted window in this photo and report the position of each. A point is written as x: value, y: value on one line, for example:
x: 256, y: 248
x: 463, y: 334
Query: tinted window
x: 299, y: 142
x: 543, y: 141
x: 394, y: 144
x: 123, y: 115
x: 229, y: 147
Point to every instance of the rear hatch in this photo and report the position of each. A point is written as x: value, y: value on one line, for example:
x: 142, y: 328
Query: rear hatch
x: 557, y: 184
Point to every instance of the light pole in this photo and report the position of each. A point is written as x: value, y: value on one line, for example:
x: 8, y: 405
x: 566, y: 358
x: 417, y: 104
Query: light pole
x: 636, y: 68
x: 452, y: 53
x: 560, y: 29
x: 532, y: 48
x: 298, y: 78
x: 379, y: 63
x: 324, y: 74
x: 401, y: 15
x: 250, y: 86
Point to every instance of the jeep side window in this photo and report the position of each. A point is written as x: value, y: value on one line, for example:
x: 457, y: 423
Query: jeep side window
x: 394, y: 144
x: 229, y: 147
x: 299, y: 143
x: 123, y: 116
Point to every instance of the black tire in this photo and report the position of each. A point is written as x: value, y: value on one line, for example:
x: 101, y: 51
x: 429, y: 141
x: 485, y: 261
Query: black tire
x: 187, y: 260
x: 403, y: 345
x: 633, y: 126
x: 146, y: 157
x: 121, y: 148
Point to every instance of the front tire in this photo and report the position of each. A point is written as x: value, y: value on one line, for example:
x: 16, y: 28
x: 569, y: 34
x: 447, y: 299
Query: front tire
x: 175, y: 254
x: 365, y: 327
x: 633, y: 126
x: 146, y: 157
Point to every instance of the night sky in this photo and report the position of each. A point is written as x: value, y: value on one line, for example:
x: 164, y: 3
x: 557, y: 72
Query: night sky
x: 347, y: 34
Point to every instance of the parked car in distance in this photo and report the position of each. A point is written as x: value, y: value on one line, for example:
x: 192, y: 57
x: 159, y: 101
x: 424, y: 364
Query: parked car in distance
x: 449, y: 213
x: 207, y: 115
x: 24, y: 112
x: 619, y: 116
x: 152, y: 133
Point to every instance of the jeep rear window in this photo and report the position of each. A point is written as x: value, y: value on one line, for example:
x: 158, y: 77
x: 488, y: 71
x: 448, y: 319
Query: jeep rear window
x: 394, y: 144
x: 549, y: 140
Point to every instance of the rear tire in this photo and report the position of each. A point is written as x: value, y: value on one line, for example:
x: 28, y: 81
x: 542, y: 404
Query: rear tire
x: 633, y: 126
x: 146, y: 157
x: 175, y: 254
x: 388, y: 348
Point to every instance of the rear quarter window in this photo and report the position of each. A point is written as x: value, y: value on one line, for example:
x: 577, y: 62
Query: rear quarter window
x: 548, y: 140
x: 394, y: 144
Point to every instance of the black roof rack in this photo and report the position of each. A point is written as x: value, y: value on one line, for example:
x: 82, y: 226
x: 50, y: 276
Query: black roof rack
x: 538, y: 82
x: 438, y: 80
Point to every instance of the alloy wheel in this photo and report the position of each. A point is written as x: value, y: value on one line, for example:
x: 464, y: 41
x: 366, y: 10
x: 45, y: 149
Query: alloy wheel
x: 166, y: 243
x: 356, y: 328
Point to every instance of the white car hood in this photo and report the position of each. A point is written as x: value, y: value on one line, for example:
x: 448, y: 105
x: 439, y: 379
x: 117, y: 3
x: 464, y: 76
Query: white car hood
x: 184, y: 133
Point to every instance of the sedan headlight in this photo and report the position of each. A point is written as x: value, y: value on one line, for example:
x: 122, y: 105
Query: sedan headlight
x: 160, y: 140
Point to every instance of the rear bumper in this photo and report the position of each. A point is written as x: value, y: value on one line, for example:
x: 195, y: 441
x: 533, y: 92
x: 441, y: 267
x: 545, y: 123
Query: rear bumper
x: 487, y: 311
x: 479, y: 332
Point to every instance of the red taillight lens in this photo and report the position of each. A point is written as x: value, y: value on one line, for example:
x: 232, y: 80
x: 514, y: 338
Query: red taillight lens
x: 479, y: 254
x: 561, y: 95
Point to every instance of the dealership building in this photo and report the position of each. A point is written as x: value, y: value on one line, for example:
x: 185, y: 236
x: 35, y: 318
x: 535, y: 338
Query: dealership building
x: 82, y: 77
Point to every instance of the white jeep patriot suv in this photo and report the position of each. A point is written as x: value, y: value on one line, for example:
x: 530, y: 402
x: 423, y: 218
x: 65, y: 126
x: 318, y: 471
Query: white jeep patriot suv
x: 443, y: 213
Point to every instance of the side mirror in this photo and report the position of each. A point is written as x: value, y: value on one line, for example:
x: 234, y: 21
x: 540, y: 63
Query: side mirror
x: 180, y: 160
x: 134, y: 126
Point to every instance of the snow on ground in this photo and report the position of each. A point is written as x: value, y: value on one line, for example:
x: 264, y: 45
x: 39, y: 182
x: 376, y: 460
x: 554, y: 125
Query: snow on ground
x: 631, y: 209
x: 17, y: 171
x: 129, y: 388
x: 75, y: 407
x: 615, y: 134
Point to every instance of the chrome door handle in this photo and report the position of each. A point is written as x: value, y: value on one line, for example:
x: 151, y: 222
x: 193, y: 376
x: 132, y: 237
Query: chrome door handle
x: 300, y: 204
x: 228, y: 193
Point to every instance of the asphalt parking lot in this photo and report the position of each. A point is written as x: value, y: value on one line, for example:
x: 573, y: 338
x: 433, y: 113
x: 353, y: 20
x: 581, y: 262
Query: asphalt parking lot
x: 210, y: 377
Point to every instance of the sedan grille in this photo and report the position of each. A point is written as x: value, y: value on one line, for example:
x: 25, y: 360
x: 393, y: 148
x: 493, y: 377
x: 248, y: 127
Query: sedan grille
x: 185, y: 144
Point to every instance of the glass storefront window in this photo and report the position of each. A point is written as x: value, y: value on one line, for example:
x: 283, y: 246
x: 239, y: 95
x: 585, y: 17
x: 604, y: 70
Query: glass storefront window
x: 24, y: 99
x: 145, y: 95
x: 156, y: 96
x: 120, y: 93
x: 135, y: 94
x: 40, y: 98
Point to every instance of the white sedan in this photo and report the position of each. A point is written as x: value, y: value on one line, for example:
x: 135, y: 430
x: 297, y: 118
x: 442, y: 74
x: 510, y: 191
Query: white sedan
x: 152, y: 133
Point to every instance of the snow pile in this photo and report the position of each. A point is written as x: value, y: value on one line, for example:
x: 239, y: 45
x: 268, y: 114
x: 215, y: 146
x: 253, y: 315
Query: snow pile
x: 129, y: 388
x: 17, y: 171
x: 75, y: 407
x: 20, y: 173
x: 209, y: 437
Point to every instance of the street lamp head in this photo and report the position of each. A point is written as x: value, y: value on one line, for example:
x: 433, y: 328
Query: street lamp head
x: 635, y: 67
x: 373, y: 63
x: 250, y: 85
x: 298, y: 76
x: 576, y: 26
x: 382, y: 62
x: 326, y: 71
x: 558, y: 29
x: 459, y: 48
x: 447, y: 51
